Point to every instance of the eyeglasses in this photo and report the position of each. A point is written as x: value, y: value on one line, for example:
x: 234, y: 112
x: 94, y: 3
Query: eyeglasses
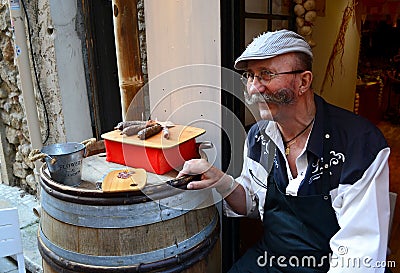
x: 265, y: 76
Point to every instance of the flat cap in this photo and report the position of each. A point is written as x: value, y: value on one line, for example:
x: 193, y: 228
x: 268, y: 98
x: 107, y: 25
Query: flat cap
x: 272, y: 44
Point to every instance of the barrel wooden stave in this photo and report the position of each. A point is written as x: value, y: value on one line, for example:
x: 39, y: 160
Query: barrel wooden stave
x: 139, y: 240
x: 113, y: 242
x: 117, y: 243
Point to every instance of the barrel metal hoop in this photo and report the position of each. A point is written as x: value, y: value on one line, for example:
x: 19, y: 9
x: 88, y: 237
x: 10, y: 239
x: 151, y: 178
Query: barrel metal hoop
x: 123, y: 215
x: 59, y: 264
x: 169, y: 265
x: 185, y: 260
x: 129, y: 260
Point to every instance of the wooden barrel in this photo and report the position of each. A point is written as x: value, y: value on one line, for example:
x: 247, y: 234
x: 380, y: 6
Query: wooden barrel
x: 162, y: 228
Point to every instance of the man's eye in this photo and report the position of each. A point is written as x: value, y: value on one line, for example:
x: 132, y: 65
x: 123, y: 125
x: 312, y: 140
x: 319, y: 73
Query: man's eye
x: 266, y: 73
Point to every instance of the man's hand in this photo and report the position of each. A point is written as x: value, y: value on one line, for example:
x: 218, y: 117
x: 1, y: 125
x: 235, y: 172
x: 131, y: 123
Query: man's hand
x: 210, y: 176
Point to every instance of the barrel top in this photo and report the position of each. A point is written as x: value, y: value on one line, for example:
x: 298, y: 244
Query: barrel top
x: 95, y: 168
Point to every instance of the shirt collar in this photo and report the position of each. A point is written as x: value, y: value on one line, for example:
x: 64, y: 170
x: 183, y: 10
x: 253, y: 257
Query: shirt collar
x: 273, y: 133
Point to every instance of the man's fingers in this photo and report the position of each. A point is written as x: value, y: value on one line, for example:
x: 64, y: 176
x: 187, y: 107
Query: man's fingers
x: 196, y: 185
x: 193, y: 167
x: 186, y: 169
x: 180, y: 174
x: 199, y: 166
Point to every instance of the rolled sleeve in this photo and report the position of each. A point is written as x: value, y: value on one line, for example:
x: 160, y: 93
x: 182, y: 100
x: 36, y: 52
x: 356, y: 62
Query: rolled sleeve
x: 362, y: 210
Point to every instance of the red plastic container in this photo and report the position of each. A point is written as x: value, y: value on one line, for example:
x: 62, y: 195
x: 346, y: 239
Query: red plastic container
x: 155, y: 154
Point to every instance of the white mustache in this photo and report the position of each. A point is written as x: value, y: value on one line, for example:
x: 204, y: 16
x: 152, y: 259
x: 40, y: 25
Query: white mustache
x: 282, y: 96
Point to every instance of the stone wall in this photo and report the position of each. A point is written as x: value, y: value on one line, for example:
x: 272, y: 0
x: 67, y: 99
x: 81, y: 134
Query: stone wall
x: 16, y: 142
x: 16, y: 145
x: 16, y: 169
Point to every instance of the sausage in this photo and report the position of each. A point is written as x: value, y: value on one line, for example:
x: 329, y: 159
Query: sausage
x: 124, y: 124
x: 133, y: 129
x: 149, y: 131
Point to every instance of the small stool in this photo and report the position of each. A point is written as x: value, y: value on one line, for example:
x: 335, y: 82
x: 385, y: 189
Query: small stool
x: 10, y: 236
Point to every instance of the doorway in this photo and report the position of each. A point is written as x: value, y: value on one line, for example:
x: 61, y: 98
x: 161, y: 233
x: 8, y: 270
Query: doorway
x: 240, y: 22
x: 103, y: 85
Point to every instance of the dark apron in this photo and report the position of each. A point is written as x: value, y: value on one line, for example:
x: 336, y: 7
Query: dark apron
x: 297, y: 230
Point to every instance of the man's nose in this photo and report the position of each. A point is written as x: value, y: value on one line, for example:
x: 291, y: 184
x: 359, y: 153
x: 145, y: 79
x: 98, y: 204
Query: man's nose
x: 256, y: 86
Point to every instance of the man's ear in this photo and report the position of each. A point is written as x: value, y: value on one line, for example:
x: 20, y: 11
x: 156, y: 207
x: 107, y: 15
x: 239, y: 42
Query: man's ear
x: 306, y: 81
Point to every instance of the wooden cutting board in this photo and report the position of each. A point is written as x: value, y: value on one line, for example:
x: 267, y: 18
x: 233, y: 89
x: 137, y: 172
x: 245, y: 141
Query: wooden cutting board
x: 129, y: 179
x: 178, y: 135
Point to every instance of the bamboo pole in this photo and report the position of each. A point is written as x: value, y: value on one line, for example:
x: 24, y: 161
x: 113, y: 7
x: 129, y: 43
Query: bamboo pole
x: 130, y: 74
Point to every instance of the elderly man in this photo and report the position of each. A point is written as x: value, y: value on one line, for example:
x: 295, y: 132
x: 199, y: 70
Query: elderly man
x: 317, y: 175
